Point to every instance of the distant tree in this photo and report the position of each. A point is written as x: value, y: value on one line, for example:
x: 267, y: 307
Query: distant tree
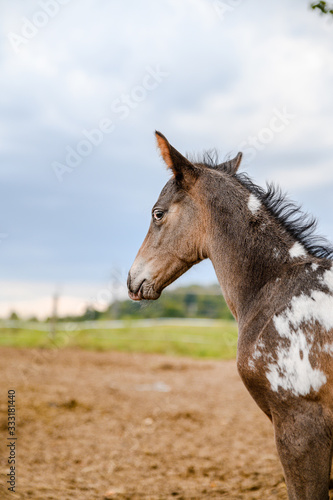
x: 173, y: 308
x: 191, y: 304
x: 13, y: 316
x: 90, y: 314
x: 323, y: 7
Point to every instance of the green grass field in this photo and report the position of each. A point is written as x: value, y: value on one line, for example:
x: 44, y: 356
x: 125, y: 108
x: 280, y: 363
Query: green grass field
x: 218, y: 341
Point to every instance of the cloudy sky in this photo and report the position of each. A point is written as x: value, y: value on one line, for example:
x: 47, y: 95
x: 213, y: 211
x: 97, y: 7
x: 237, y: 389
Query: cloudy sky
x: 84, y: 85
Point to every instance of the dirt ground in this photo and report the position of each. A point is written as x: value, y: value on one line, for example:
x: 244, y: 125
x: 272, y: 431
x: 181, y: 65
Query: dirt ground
x: 110, y: 425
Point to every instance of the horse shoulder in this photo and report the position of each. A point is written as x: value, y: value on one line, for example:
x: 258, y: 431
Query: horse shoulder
x: 292, y: 353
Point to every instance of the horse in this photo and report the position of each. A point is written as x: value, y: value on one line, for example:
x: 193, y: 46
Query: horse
x: 276, y: 276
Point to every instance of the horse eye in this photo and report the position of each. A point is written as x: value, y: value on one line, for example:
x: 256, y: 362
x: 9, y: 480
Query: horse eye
x: 158, y: 214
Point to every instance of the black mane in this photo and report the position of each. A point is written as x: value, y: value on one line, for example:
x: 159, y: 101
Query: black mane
x: 300, y: 225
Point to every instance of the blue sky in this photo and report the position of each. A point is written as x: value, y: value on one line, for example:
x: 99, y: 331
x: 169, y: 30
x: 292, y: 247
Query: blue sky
x: 85, y: 84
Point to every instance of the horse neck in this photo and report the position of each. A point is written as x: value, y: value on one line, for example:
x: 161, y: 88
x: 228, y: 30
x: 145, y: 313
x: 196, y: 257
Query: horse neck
x: 247, y: 250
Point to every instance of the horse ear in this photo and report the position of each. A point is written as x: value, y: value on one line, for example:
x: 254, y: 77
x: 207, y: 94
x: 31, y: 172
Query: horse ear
x: 182, y: 168
x: 233, y: 165
x: 230, y: 166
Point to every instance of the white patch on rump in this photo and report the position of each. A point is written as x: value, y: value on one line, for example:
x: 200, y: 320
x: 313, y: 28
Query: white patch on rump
x: 253, y: 203
x: 292, y: 369
x: 297, y: 250
x: 314, y: 267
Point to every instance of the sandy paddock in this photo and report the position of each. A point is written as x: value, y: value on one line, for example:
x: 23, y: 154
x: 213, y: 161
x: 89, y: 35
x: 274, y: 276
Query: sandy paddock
x: 110, y: 425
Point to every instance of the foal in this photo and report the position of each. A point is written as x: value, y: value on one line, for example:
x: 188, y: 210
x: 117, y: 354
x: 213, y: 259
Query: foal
x: 278, y: 284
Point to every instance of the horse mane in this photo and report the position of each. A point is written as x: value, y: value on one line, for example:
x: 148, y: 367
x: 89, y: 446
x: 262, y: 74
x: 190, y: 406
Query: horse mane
x: 299, y: 224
